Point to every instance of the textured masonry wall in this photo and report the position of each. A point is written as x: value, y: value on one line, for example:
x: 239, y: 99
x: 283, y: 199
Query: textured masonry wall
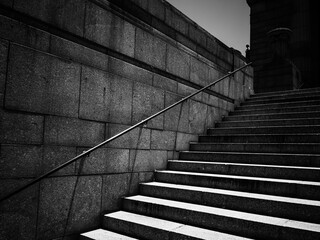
x: 74, y: 73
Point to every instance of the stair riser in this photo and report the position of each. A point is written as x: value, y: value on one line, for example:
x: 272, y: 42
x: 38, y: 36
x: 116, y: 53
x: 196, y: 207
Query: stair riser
x: 257, y: 148
x: 261, y: 139
x: 281, y: 99
x: 304, y: 91
x: 274, y: 111
x: 255, y: 186
x: 281, y: 122
x: 215, y: 222
x: 272, y: 116
x: 297, y: 212
x: 251, y: 171
x: 291, y: 160
x: 265, y: 130
x: 245, y: 106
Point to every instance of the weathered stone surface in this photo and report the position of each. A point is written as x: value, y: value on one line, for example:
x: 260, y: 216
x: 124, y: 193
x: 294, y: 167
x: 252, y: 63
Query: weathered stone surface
x: 18, y: 215
x: 146, y: 160
x: 197, y: 35
x: 86, y: 207
x: 20, y: 161
x: 156, y: 8
x: 68, y: 15
x: 163, y: 140
x: 72, y: 132
x: 142, y: 3
x: 20, y: 128
x: 115, y: 186
x: 147, y: 101
x: 53, y: 156
x: 212, y: 116
x: 183, y: 140
x: 199, y: 72
x: 150, y: 49
x: 212, y: 45
x: 136, y: 178
x: 54, y: 205
x: 3, y: 66
x: 175, y: 20
x: 24, y: 34
x: 197, y: 117
x: 78, y: 53
x: 178, y: 62
x: 41, y: 83
x: 129, y: 71
x: 136, y: 138
x: 104, y: 160
x: 185, y: 90
x: 165, y: 83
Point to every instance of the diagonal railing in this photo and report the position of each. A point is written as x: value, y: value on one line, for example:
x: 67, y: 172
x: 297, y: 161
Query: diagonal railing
x: 86, y: 153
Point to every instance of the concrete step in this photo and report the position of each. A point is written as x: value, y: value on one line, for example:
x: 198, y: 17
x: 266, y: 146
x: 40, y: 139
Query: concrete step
x: 280, y: 187
x: 266, y: 130
x: 306, y: 160
x: 287, y: 92
x: 101, y: 234
x: 291, y: 208
x: 273, y: 122
x: 224, y: 220
x: 250, y: 170
x: 245, y: 106
x: 262, y: 138
x: 269, y: 116
x: 277, y: 110
x: 310, y: 148
x: 146, y: 227
x: 283, y: 98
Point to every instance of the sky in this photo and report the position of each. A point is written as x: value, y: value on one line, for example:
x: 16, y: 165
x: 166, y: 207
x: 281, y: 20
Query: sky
x: 227, y: 20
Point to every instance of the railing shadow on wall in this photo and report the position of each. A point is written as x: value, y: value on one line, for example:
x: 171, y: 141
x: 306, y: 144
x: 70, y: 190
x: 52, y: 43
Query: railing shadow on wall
x: 85, y: 154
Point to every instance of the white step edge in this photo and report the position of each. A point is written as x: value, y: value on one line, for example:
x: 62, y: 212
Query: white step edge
x: 242, y: 177
x: 173, y: 227
x: 281, y: 222
x: 101, y: 234
x: 237, y: 193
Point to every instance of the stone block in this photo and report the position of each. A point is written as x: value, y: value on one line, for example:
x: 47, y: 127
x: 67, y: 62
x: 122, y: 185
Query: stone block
x: 177, y: 118
x: 104, y: 160
x: 178, y: 62
x: 136, y: 179
x: 183, y: 140
x: 198, y: 35
x: 53, y: 156
x: 163, y: 140
x: 41, y: 83
x: 72, y: 132
x: 18, y: 214
x: 65, y: 14
x: 86, y: 207
x: 142, y: 3
x: 4, y: 45
x: 148, y: 160
x: 150, y: 49
x: 165, y: 83
x: 176, y: 21
x: 199, y: 72
x: 212, y: 45
x: 54, y: 206
x: 157, y: 9
x: 197, y: 117
x: 21, y: 128
x: 147, y: 101
x: 129, y: 71
x: 21, y: 33
x: 115, y: 186
x: 78, y: 53
x: 185, y: 91
x: 18, y: 161
x: 136, y: 138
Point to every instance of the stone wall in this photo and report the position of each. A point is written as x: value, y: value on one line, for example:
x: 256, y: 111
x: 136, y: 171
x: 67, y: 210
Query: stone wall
x: 74, y: 73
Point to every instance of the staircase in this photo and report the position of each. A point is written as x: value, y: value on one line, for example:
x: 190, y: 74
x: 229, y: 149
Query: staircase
x: 256, y: 175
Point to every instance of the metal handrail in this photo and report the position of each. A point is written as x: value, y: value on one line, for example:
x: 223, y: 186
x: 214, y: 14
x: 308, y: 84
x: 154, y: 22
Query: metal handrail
x: 120, y: 134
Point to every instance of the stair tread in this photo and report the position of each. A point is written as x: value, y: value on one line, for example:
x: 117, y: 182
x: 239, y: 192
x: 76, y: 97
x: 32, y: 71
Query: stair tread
x: 276, y: 104
x: 172, y: 226
x: 271, y: 114
x: 271, y: 120
x: 254, y: 127
x: 261, y: 134
x: 290, y: 181
x: 237, y: 193
x: 246, y: 165
x: 102, y: 234
x: 289, y: 107
x: 281, y: 222
x: 256, y: 143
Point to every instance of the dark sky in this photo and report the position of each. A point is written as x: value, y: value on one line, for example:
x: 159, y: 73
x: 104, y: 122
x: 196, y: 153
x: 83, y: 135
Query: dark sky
x: 227, y: 20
